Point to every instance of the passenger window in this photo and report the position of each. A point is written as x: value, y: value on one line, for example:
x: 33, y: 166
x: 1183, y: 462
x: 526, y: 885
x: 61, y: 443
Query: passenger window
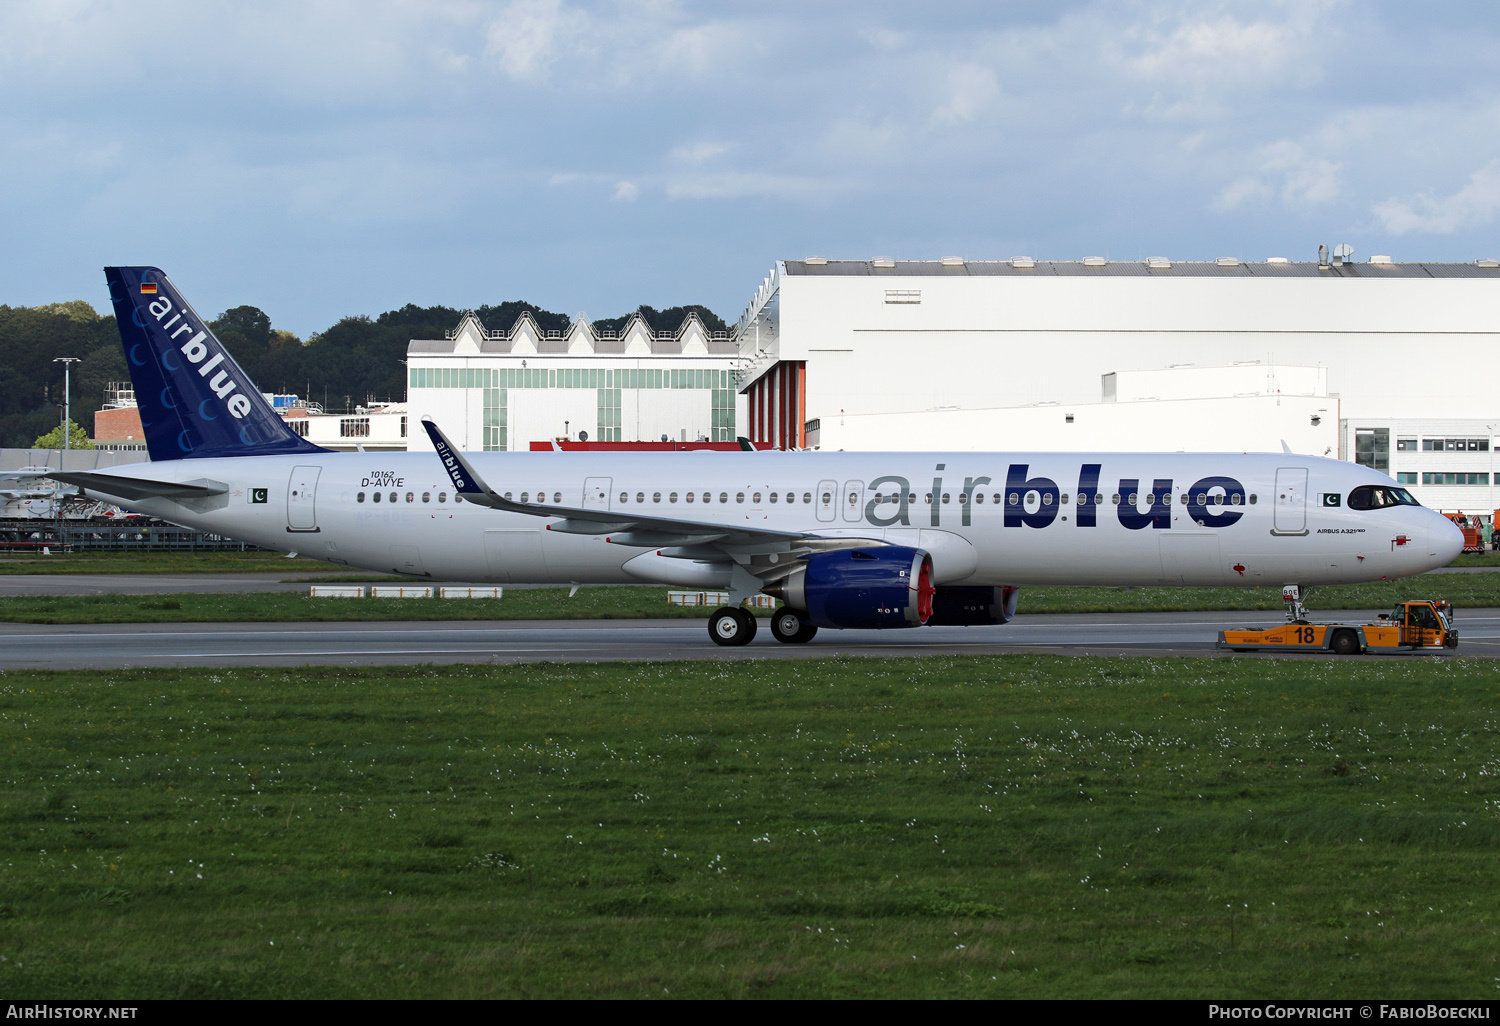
x: 624, y: 496
x: 507, y: 497
x: 773, y: 496
x: 723, y: 496
x: 1015, y: 499
x: 427, y: 496
x: 689, y: 496
x: 1063, y: 499
x: 1115, y: 498
x: 525, y: 496
x: 393, y: 496
x: 656, y: 496
x: 807, y: 497
x: 708, y: 496
x: 375, y: 496
x: 1134, y: 497
x: 1046, y: 498
x: 755, y: 500
x: 827, y: 498
x: 557, y: 496
x: 410, y: 497
x: 360, y: 497
x: 672, y: 497
x: 640, y: 496
x: 978, y: 496
x: 442, y: 496
x: 739, y: 496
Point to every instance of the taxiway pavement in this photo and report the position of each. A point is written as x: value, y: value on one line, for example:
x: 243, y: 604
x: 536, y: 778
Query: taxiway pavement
x: 74, y: 646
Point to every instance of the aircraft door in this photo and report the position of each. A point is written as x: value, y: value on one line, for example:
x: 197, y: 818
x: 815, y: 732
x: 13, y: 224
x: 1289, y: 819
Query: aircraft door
x: 301, y: 496
x: 827, y: 499
x: 596, y: 492
x: 1291, y: 501
x: 854, y: 494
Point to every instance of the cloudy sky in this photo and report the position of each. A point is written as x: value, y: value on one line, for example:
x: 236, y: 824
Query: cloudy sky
x: 320, y: 158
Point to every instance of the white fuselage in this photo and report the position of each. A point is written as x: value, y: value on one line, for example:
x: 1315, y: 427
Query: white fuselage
x: 1265, y: 520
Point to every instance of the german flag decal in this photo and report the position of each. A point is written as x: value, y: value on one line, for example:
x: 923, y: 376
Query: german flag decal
x: 148, y: 289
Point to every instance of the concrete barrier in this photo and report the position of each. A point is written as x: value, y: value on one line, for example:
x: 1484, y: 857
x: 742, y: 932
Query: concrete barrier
x: 337, y: 591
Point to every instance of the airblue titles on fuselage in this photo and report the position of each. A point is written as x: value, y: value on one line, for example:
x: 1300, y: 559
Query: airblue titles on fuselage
x: 1211, y: 501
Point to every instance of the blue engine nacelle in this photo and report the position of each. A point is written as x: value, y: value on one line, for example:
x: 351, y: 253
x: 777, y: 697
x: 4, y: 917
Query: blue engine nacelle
x: 882, y: 586
x: 973, y: 606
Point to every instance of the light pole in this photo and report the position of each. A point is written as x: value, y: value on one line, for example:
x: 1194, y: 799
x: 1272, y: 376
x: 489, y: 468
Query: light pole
x: 67, y: 430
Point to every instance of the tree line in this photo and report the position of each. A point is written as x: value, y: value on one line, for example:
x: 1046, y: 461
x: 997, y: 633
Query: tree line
x: 358, y: 358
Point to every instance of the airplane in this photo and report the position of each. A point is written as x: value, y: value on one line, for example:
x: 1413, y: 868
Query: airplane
x: 844, y: 540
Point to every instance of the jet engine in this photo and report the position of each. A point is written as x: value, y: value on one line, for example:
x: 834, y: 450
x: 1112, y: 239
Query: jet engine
x: 973, y: 606
x: 886, y: 586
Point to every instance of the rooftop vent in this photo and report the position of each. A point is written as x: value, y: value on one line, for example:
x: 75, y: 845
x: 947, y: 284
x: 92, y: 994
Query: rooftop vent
x: 1158, y: 263
x: 952, y: 261
x: 1094, y: 261
x: 1381, y: 260
x: 1024, y: 263
x: 815, y: 261
x: 1487, y: 263
x: 884, y: 262
x: 1227, y: 262
x: 1277, y: 260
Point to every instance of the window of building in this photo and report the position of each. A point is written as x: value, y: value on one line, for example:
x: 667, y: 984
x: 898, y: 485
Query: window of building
x: 1455, y: 445
x: 298, y: 426
x: 1406, y: 445
x: 354, y: 427
x: 1454, y: 479
x: 1372, y: 448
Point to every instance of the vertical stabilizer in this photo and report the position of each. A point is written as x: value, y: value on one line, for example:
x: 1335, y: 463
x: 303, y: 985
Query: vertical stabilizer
x: 195, y: 401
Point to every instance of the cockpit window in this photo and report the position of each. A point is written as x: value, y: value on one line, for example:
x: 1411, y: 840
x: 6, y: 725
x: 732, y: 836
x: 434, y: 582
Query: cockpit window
x: 1379, y: 497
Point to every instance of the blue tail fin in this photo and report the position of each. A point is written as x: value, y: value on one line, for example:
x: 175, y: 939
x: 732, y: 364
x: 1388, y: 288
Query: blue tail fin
x: 195, y: 401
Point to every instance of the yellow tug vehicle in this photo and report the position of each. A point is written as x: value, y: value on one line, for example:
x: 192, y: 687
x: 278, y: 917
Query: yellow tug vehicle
x: 1416, y: 626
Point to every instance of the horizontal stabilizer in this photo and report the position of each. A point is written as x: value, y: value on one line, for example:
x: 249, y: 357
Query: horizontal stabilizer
x: 140, y: 487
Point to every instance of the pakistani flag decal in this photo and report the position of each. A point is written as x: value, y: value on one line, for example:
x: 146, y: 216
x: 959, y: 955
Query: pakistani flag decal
x: 1333, y: 499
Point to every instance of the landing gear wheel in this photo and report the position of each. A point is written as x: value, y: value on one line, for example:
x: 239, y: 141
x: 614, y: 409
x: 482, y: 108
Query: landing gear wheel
x: 790, y: 627
x: 729, y: 626
x: 1345, y: 643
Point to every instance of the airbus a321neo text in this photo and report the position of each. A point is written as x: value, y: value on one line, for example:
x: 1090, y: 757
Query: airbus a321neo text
x: 844, y: 540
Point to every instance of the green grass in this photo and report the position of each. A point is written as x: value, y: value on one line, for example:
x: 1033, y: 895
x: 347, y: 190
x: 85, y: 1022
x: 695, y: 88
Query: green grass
x: 1025, y: 826
x: 649, y: 602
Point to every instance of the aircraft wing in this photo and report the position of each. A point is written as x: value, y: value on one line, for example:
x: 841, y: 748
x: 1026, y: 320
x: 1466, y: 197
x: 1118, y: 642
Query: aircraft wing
x: 622, y: 527
x: 139, y: 487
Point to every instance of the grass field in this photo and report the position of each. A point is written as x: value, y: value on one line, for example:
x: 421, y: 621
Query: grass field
x: 1024, y: 826
x: 638, y: 602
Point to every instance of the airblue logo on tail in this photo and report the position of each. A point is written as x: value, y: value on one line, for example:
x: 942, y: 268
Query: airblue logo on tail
x: 195, y: 401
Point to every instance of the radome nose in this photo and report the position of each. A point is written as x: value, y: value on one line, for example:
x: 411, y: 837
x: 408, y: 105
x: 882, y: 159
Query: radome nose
x: 1445, y: 540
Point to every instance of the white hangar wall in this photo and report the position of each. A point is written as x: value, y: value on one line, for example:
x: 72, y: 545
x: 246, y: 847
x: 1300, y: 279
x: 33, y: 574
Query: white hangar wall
x: 960, y: 354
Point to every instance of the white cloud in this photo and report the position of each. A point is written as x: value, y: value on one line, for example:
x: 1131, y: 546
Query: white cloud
x: 971, y: 89
x: 742, y: 184
x: 1221, y: 49
x: 626, y: 192
x: 1477, y: 203
x: 698, y: 152
x: 528, y: 36
x: 1286, y: 170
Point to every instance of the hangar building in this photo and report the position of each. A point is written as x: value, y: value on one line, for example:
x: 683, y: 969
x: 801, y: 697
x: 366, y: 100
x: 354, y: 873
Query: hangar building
x: 1380, y: 362
x: 501, y: 389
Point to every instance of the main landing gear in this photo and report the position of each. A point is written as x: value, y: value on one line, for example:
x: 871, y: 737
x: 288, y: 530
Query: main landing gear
x: 791, y: 627
x: 731, y: 627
